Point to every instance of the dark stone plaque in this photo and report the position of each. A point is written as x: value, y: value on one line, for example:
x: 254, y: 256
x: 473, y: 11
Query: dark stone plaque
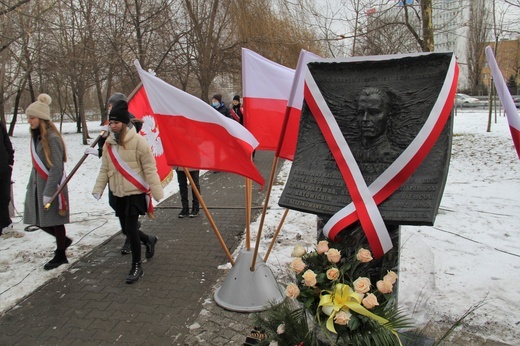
x: 380, y: 107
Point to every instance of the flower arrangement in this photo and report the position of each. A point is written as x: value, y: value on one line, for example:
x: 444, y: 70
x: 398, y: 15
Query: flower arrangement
x: 348, y: 294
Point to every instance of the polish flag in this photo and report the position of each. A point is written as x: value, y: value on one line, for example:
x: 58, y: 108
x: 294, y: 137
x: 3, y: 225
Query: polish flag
x: 197, y: 136
x: 267, y: 86
x: 506, y: 99
x: 139, y: 106
x: 291, y: 125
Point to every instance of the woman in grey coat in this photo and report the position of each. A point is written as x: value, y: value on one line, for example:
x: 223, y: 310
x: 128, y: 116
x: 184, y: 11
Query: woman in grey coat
x: 48, y: 157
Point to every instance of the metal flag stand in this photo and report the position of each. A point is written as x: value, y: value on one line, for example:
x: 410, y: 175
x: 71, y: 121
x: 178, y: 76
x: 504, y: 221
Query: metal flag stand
x: 244, y: 290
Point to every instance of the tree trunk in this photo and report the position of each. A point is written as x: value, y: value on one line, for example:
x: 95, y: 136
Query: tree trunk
x: 83, y: 118
x: 427, y: 26
x: 104, y: 109
x: 19, y: 92
x: 2, y: 77
x: 492, y: 88
x: 76, y: 111
x: 99, y: 94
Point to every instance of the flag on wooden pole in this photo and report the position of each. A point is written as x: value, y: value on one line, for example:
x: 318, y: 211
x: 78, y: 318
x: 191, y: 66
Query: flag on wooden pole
x: 195, y: 135
x: 267, y: 86
x: 289, y: 132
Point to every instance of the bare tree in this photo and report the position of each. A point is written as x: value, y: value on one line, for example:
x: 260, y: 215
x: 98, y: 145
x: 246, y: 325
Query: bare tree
x: 479, y: 30
x: 6, y: 11
x: 279, y: 34
x: 211, y: 29
x: 382, y: 33
x: 20, y: 19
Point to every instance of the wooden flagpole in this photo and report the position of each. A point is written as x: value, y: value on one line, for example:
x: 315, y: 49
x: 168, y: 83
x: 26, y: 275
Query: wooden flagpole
x: 262, y: 218
x: 276, y: 234
x: 208, y: 215
x: 133, y: 92
x: 248, y: 201
x: 71, y: 174
x: 270, y: 186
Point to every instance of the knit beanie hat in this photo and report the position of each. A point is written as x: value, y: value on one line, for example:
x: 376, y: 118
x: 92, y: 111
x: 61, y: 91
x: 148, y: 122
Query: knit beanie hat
x: 236, y: 98
x: 119, y: 112
x: 218, y: 97
x: 117, y: 97
x: 40, y: 108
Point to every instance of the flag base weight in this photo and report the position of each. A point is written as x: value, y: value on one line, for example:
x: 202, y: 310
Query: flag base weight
x: 247, y: 291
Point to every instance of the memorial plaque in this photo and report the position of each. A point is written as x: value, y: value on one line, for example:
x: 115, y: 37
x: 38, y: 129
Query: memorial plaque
x: 380, y: 107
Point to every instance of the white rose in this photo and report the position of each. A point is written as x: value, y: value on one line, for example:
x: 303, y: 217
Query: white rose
x: 298, y: 251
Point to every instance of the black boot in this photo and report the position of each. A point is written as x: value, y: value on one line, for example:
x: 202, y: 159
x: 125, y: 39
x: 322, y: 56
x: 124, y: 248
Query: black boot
x: 150, y: 246
x: 184, y: 212
x: 135, y: 273
x: 194, y: 211
x: 59, y: 259
x: 126, y: 248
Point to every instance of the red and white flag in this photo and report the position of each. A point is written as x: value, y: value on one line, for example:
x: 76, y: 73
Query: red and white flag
x: 366, y: 198
x: 291, y: 124
x: 139, y: 106
x: 267, y: 86
x: 195, y: 135
x: 505, y: 98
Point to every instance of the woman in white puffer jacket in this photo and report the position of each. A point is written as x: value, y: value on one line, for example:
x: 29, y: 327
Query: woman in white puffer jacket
x: 128, y: 167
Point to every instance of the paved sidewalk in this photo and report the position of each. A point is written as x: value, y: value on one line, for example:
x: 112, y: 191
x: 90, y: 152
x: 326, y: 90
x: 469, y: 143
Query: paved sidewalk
x: 172, y: 304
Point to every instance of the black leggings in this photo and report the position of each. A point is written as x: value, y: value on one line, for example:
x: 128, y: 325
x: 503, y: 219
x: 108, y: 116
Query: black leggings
x: 59, y: 233
x: 136, y: 236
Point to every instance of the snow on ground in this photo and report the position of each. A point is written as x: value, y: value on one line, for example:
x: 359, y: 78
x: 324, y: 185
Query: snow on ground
x: 470, y: 256
x: 472, y: 253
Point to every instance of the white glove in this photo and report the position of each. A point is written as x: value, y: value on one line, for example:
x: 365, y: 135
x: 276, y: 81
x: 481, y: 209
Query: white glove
x: 106, y: 129
x: 92, y: 151
x: 46, y: 200
x: 97, y: 196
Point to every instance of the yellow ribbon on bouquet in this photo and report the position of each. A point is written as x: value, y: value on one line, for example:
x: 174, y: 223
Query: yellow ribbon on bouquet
x: 344, y: 297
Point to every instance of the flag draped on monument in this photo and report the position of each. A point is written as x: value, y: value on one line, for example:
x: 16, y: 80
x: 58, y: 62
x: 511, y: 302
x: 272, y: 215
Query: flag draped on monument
x: 195, y: 135
x: 505, y: 98
x: 289, y: 132
x: 139, y: 106
x: 366, y: 198
x: 267, y: 86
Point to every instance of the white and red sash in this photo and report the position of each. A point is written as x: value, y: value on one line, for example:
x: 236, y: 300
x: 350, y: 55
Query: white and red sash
x: 44, y: 173
x: 366, y: 198
x: 234, y: 114
x: 129, y: 174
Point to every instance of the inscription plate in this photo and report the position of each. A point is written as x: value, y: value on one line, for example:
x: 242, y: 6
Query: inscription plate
x: 380, y: 107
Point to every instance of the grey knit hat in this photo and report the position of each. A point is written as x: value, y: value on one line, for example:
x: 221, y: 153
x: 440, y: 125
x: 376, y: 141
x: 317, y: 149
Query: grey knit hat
x: 40, y: 108
x: 117, y: 97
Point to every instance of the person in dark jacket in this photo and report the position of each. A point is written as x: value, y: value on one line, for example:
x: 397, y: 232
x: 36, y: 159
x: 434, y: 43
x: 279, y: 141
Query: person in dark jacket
x: 237, y: 109
x: 216, y: 102
x: 6, y: 170
x: 48, y: 157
